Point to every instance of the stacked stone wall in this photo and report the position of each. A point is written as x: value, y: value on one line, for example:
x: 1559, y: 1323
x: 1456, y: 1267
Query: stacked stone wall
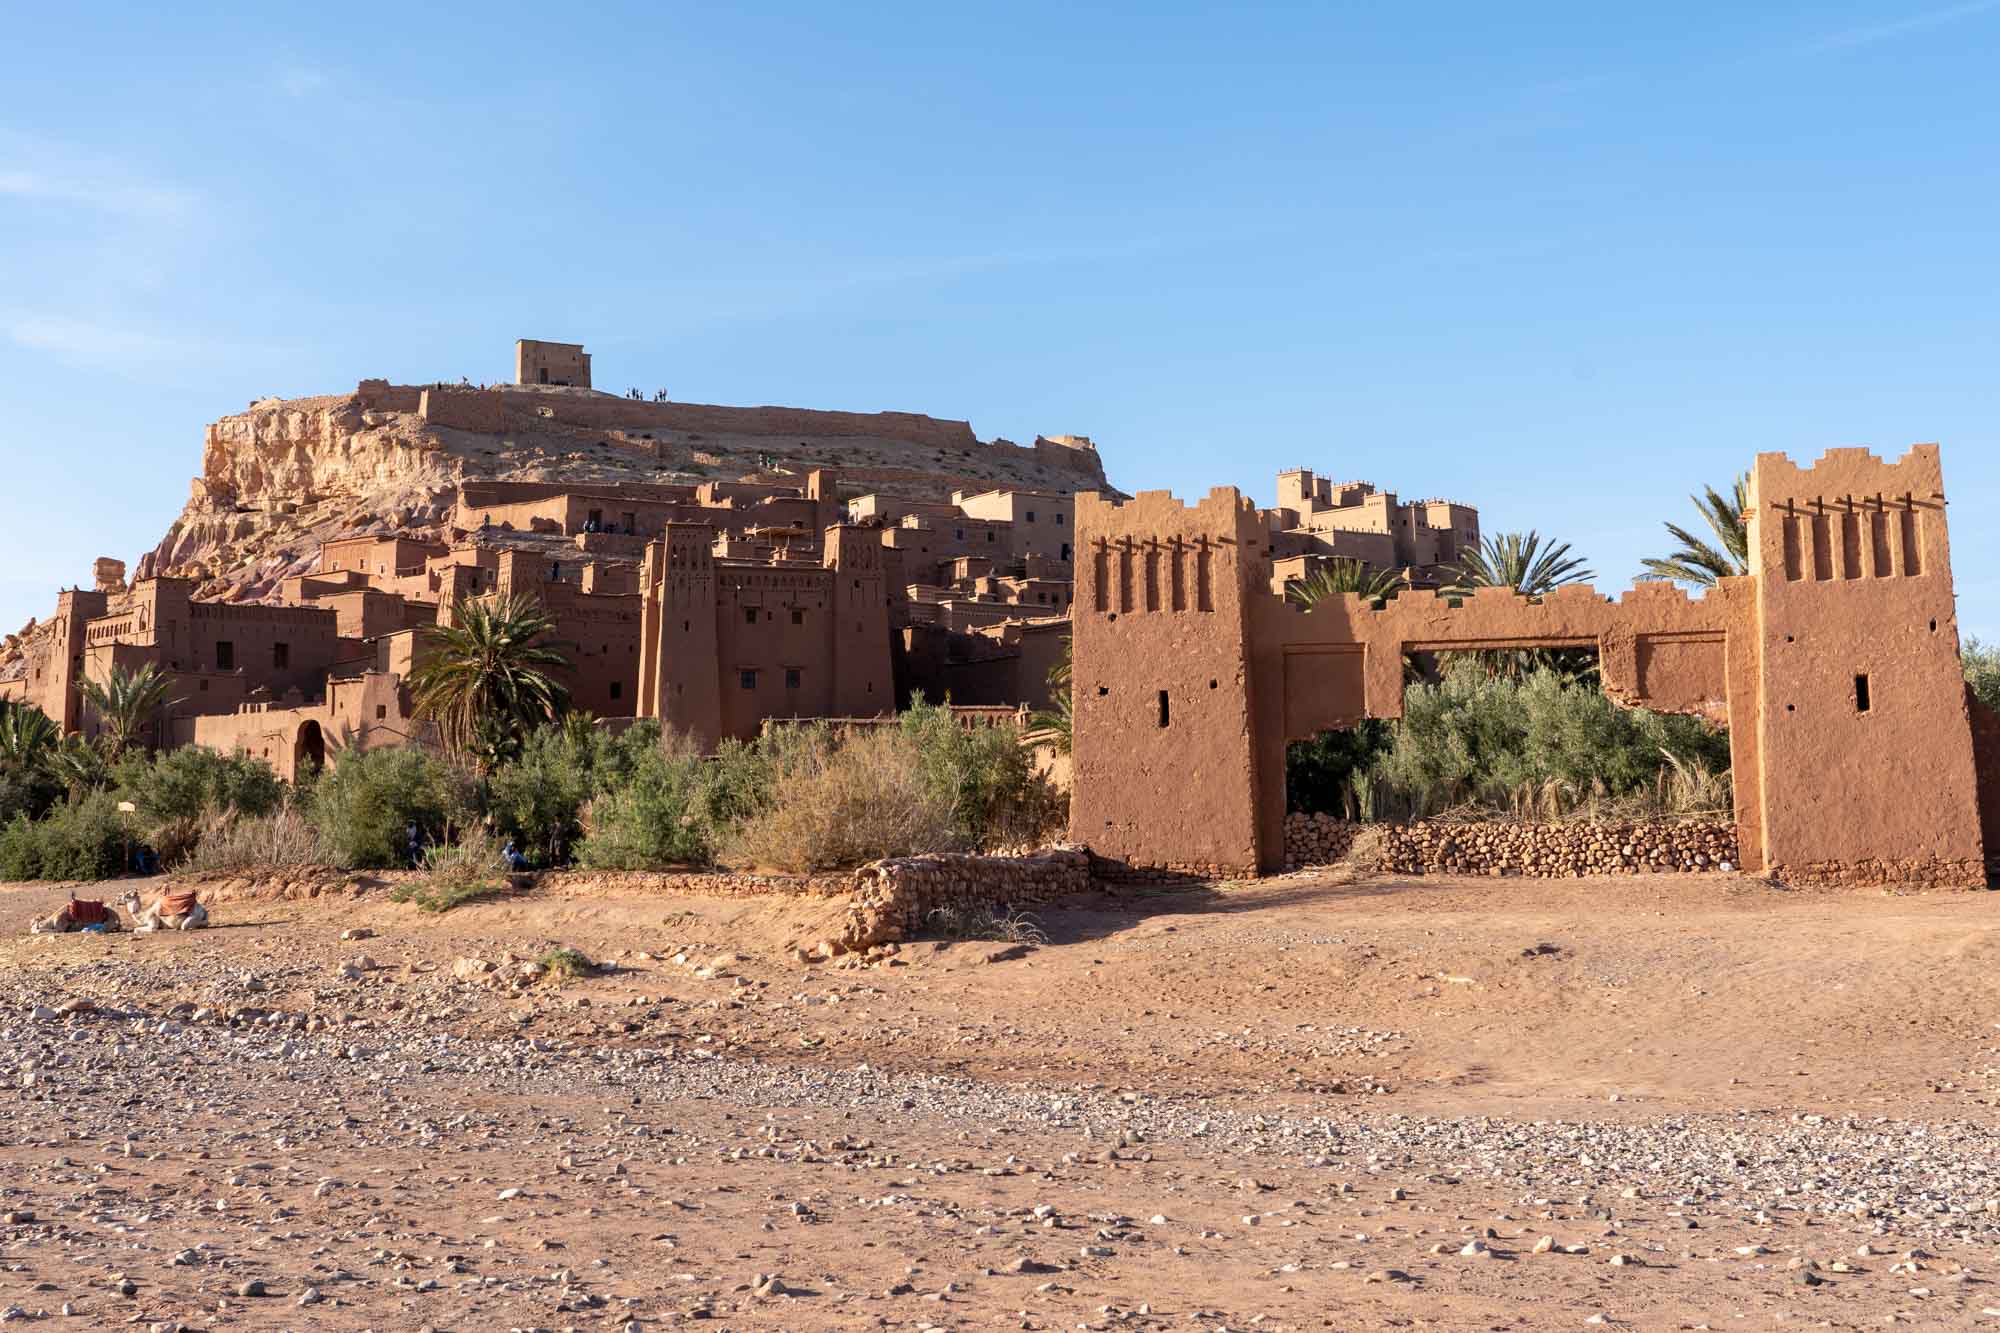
x: 893, y: 898
x: 1507, y: 848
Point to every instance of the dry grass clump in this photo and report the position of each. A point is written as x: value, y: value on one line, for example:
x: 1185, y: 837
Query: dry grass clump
x: 985, y: 923
x: 283, y: 840
x: 845, y: 800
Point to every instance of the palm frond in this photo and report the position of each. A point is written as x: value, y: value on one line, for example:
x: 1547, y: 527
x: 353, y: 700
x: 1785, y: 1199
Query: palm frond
x: 485, y: 679
x: 1697, y: 562
x: 1344, y: 575
x: 1521, y: 561
x: 126, y: 702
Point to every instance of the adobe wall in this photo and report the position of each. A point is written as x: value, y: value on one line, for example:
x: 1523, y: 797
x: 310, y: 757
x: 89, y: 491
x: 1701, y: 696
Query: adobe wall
x: 725, y: 645
x: 476, y: 494
x: 537, y: 362
x: 598, y: 632
x: 1165, y: 755
x: 359, y: 713
x: 1865, y: 735
x: 494, y: 410
x: 1835, y: 662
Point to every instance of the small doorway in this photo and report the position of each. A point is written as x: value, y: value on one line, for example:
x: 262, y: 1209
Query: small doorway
x: 309, y: 751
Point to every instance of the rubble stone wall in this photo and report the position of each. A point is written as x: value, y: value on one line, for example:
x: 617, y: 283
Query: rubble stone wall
x: 1506, y: 848
x: 892, y: 898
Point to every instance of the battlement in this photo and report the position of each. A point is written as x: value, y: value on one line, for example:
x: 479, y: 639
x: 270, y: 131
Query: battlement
x: 1850, y: 515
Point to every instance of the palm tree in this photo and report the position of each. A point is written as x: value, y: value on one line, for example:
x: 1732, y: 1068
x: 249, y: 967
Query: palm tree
x: 1058, y: 718
x: 1696, y: 561
x: 27, y: 735
x: 485, y: 678
x: 126, y: 703
x: 1520, y: 561
x: 1342, y: 575
x: 79, y: 765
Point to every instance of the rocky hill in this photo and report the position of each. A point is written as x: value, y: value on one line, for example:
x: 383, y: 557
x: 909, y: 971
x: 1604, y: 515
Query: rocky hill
x: 288, y: 474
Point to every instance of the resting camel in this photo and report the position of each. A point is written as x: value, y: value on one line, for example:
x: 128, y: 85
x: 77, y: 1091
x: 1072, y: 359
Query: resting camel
x: 75, y: 915
x: 170, y: 911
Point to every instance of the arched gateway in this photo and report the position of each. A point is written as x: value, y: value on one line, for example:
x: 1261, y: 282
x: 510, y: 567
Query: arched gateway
x: 1835, y: 662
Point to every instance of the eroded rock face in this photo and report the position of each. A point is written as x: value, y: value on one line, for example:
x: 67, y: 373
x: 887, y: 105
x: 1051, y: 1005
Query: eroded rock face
x: 287, y: 474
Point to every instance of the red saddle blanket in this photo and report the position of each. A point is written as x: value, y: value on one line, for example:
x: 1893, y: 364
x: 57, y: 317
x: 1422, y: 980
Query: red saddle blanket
x: 88, y: 912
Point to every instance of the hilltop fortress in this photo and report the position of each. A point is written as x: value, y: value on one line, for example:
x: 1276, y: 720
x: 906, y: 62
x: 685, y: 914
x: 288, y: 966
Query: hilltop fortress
x: 713, y: 567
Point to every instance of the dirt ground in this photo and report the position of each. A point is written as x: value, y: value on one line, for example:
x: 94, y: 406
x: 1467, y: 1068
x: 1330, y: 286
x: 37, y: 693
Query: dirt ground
x: 1308, y: 1101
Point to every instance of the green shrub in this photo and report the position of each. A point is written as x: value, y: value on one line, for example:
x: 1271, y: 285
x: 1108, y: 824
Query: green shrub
x: 1328, y: 773
x: 86, y: 839
x: 563, y: 963
x: 183, y: 794
x: 736, y: 781
x: 1982, y: 671
x: 984, y: 772
x: 194, y: 780
x: 654, y: 817
x: 538, y: 799
x: 1539, y: 744
x: 458, y: 873
x: 365, y: 804
x: 27, y: 791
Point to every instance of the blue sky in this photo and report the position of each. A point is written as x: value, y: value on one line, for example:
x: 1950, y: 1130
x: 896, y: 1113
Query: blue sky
x: 1566, y: 262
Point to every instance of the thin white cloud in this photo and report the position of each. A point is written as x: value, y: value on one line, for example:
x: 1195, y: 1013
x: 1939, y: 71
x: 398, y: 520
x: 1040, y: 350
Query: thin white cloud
x: 83, y: 340
x: 39, y: 174
x: 1869, y: 34
x: 301, y: 81
x: 132, y: 349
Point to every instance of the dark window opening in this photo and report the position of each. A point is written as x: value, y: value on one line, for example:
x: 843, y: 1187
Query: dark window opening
x: 1059, y: 518
x: 1861, y: 694
x: 749, y: 615
x: 281, y: 656
x: 225, y: 655
x: 1031, y: 516
x: 617, y: 689
x: 1103, y: 690
x: 791, y: 678
x: 1163, y: 708
x: 798, y: 616
x: 381, y: 712
x: 748, y: 679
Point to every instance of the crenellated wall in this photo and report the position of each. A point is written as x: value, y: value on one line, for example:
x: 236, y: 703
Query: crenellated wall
x: 1835, y: 661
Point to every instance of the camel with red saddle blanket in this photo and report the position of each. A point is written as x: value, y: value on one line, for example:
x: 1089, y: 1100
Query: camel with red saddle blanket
x: 78, y: 914
x: 170, y: 911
